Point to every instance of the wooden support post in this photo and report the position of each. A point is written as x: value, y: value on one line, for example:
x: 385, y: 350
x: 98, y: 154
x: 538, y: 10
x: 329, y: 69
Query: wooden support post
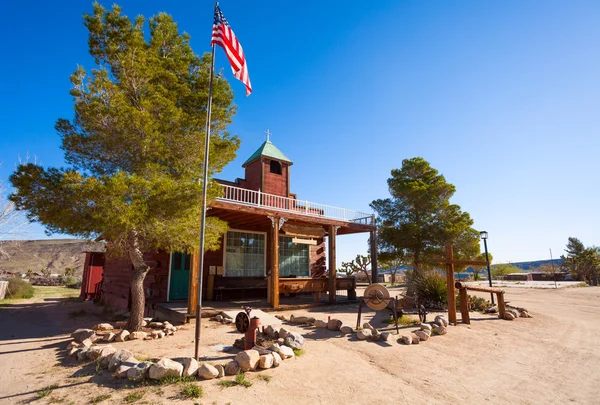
x: 332, y: 265
x: 374, y: 275
x: 210, y: 286
x: 450, y: 284
x: 193, y: 286
x: 501, y: 305
x: 317, y: 296
x: 464, y: 306
x: 275, y: 267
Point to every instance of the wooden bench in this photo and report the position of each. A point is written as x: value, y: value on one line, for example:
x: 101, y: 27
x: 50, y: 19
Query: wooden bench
x: 464, y: 304
x: 223, y: 284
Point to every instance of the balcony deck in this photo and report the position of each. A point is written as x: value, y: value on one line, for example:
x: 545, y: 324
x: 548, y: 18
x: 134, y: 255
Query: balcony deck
x: 257, y: 199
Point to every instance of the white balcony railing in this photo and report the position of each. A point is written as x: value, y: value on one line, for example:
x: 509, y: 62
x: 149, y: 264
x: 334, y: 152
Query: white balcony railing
x: 253, y: 198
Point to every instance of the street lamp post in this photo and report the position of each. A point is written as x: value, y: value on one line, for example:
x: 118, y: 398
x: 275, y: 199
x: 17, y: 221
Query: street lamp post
x: 484, y: 236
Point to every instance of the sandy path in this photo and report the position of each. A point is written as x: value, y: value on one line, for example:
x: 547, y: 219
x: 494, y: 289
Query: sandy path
x: 552, y: 358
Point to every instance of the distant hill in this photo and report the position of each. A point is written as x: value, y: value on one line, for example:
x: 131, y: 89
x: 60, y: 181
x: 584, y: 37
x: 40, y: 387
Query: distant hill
x: 533, y: 265
x: 53, y: 254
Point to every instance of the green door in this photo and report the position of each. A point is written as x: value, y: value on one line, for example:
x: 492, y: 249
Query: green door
x: 180, y: 276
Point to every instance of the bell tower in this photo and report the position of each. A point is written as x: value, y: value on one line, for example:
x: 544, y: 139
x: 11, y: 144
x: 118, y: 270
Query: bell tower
x: 268, y: 170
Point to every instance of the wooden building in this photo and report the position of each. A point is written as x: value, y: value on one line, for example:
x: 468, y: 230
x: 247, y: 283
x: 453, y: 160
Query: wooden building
x: 275, y: 245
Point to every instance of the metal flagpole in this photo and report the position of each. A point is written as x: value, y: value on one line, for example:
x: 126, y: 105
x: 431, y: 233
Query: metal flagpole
x: 203, y: 214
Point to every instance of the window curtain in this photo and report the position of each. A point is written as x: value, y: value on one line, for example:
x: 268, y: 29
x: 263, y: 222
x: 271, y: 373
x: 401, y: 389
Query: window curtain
x: 244, y: 254
x: 294, y: 258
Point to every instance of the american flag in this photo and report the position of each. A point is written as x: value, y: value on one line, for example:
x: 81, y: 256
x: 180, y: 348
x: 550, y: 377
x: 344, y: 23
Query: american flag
x: 223, y: 35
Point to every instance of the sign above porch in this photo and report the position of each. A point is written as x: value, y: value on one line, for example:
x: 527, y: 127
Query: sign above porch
x: 301, y: 230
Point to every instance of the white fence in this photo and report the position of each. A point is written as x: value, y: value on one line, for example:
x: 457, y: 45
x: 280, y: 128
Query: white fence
x: 253, y: 198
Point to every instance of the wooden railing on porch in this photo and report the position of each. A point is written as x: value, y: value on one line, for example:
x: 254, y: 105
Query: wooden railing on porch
x: 254, y: 198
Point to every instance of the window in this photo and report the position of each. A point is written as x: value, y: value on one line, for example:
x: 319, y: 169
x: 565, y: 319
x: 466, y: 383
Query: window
x: 244, y: 254
x: 294, y: 258
x: 275, y: 167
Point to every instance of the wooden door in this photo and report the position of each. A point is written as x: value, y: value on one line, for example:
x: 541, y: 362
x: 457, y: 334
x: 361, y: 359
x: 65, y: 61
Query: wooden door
x: 180, y: 276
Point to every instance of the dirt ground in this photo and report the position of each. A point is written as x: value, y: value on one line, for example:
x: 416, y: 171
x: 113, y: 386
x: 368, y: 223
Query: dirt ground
x: 552, y: 358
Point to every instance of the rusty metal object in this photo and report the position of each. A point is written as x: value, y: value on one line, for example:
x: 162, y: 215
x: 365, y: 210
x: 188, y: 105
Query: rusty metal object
x: 250, y: 336
x: 242, y: 320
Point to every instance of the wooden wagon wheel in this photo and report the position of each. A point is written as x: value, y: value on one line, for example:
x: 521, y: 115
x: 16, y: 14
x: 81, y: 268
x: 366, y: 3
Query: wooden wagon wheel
x: 242, y: 322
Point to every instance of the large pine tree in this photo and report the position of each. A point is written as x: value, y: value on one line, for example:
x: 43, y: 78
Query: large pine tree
x: 134, y: 148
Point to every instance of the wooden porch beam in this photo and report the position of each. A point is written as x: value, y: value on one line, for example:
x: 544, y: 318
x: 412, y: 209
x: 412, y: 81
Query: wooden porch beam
x: 374, y: 268
x: 450, y: 284
x: 275, y: 258
x: 193, y: 285
x: 332, y: 265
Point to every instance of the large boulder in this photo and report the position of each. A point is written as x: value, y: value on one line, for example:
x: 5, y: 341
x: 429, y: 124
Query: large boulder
x: 385, y: 336
x: 319, y: 323
x: 109, y: 337
x: 283, y: 332
x: 248, y: 359
x: 137, y: 335
x: 139, y: 371
x: 81, y: 334
x: 105, y: 355
x: 346, y: 330
x: 124, y: 367
x: 334, y: 324
x: 272, y: 332
x: 422, y: 335
x: 165, y: 368
x: 190, y: 366
x: 508, y: 316
x: 294, y: 340
x: 221, y: 370
x: 513, y: 311
x: 102, y: 327
x: 232, y: 368
x: 261, y: 350
x: 265, y: 361
x: 440, y: 330
x: 407, y: 340
x: 276, y: 359
x: 286, y: 352
x: 415, y: 339
x: 441, y: 320
x: 155, y: 325
x: 207, y: 371
x: 524, y: 314
x: 82, y: 355
x: 122, y: 336
x: 370, y: 327
x: 364, y: 334
x: 425, y: 326
x: 118, y: 357
x: 87, y: 343
x: 96, y: 351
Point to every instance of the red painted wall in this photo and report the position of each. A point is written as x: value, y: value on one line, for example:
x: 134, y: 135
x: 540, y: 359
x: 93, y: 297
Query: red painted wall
x: 92, y: 274
x: 117, y: 278
x: 276, y: 184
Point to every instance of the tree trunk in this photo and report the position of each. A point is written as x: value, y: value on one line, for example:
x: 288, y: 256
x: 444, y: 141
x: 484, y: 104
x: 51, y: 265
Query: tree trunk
x: 138, y: 298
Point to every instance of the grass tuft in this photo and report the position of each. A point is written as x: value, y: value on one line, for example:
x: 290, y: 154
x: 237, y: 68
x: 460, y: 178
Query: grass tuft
x: 44, y: 392
x: 133, y: 396
x: 240, y: 379
x: 403, y: 321
x: 265, y: 377
x: 191, y: 390
x: 173, y: 380
x: 299, y: 352
x: 100, y: 398
x: 225, y: 383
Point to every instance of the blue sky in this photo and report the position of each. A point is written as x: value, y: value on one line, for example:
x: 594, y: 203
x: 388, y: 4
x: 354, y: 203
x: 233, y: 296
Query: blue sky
x: 502, y: 97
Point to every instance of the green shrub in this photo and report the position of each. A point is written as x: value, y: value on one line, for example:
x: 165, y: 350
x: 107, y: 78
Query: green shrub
x: 191, y: 390
x: 18, y: 288
x: 430, y: 287
x: 71, y: 282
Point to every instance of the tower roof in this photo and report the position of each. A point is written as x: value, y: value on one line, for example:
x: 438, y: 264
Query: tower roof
x: 269, y: 150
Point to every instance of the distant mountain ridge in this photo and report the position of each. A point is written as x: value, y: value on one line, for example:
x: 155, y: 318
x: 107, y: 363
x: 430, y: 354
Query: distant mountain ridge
x: 53, y: 254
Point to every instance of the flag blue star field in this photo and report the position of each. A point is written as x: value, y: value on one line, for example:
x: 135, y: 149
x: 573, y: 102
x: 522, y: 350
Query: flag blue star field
x: 223, y: 35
